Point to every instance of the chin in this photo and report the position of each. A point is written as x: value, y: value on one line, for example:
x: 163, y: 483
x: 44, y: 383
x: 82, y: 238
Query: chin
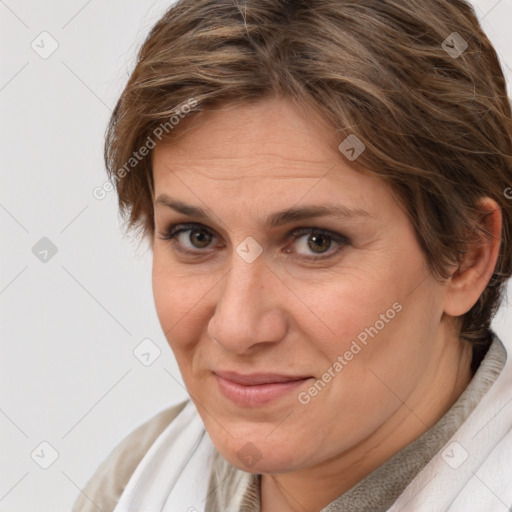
x: 257, y: 454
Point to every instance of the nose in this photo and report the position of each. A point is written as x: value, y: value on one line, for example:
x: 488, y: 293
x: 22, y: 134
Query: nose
x: 249, y: 308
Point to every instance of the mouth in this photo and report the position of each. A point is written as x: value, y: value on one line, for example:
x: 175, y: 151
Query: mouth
x: 256, y: 389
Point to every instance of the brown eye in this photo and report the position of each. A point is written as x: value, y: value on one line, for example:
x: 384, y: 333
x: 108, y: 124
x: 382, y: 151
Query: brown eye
x: 189, y: 237
x: 316, y: 243
x: 199, y: 238
x: 319, y: 243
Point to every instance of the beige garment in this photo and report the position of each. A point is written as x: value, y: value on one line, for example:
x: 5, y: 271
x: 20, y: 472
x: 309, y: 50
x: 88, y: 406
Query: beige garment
x: 105, y: 487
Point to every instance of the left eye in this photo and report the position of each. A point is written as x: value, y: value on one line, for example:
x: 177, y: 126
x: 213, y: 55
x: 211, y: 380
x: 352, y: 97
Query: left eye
x: 317, y: 242
x: 311, y: 243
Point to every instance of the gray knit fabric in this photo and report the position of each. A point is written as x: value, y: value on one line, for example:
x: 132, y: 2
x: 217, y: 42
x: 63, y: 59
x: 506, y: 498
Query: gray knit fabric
x: 380, y: 489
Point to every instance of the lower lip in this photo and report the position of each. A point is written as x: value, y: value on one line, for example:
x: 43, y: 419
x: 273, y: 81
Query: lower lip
x: 260, y: 394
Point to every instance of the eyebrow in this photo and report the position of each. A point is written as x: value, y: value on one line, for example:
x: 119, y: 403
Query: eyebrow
x: 275, y: 219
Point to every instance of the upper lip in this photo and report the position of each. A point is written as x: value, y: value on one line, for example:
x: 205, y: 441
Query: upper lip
x: 258, y: 378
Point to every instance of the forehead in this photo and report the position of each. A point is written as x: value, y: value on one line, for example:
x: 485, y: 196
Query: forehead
x: 270, y: 150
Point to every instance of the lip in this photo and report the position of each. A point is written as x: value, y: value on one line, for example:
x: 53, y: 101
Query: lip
x: 258, y: 388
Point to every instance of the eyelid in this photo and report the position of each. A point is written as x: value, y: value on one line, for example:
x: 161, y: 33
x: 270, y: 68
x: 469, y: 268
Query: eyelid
x: 337, y: 238
x: 170, y: 233
x: 173, y: 230
x: 333, y: 234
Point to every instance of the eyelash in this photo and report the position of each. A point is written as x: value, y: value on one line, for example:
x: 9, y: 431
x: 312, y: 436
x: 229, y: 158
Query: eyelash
x: 175, y: 229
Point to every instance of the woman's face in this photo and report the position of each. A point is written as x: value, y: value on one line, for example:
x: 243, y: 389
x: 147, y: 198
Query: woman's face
x: 318, y: 355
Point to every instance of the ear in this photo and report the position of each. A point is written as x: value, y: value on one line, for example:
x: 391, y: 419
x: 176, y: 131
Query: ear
x: 470, y: 279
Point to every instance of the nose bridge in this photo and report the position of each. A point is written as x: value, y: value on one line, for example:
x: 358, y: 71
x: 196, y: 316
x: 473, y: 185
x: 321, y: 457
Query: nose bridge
x: 246, y: 312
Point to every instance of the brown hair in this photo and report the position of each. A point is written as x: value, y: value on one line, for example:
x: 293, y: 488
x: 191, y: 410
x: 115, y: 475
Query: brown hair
x: 434, y: 115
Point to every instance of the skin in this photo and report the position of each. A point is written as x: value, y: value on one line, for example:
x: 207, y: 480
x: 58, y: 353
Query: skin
x: 286, y: 314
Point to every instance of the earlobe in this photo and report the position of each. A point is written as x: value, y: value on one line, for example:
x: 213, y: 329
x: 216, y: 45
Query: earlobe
x: 470, y: 279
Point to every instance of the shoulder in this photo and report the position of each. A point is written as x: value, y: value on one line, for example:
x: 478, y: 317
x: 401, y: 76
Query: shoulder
x: 106, y: 485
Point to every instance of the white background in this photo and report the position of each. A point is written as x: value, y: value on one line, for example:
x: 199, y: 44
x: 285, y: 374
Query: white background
x: 70, y: 325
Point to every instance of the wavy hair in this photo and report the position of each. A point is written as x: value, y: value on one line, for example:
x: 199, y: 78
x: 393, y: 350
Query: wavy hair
x: 418, y: 82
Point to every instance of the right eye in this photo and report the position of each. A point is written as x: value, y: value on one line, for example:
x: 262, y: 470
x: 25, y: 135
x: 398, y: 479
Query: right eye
x: 188, y: 238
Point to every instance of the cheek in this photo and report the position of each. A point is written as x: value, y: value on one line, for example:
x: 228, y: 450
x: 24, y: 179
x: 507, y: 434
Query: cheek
x: 176, y: 295
x: 348, y: 306
x: 383, y: 331
x: 366, y: 312
x: 184, y: 304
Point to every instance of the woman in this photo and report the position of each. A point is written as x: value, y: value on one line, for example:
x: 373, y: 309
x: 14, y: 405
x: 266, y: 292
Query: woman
x: 322, y: 184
